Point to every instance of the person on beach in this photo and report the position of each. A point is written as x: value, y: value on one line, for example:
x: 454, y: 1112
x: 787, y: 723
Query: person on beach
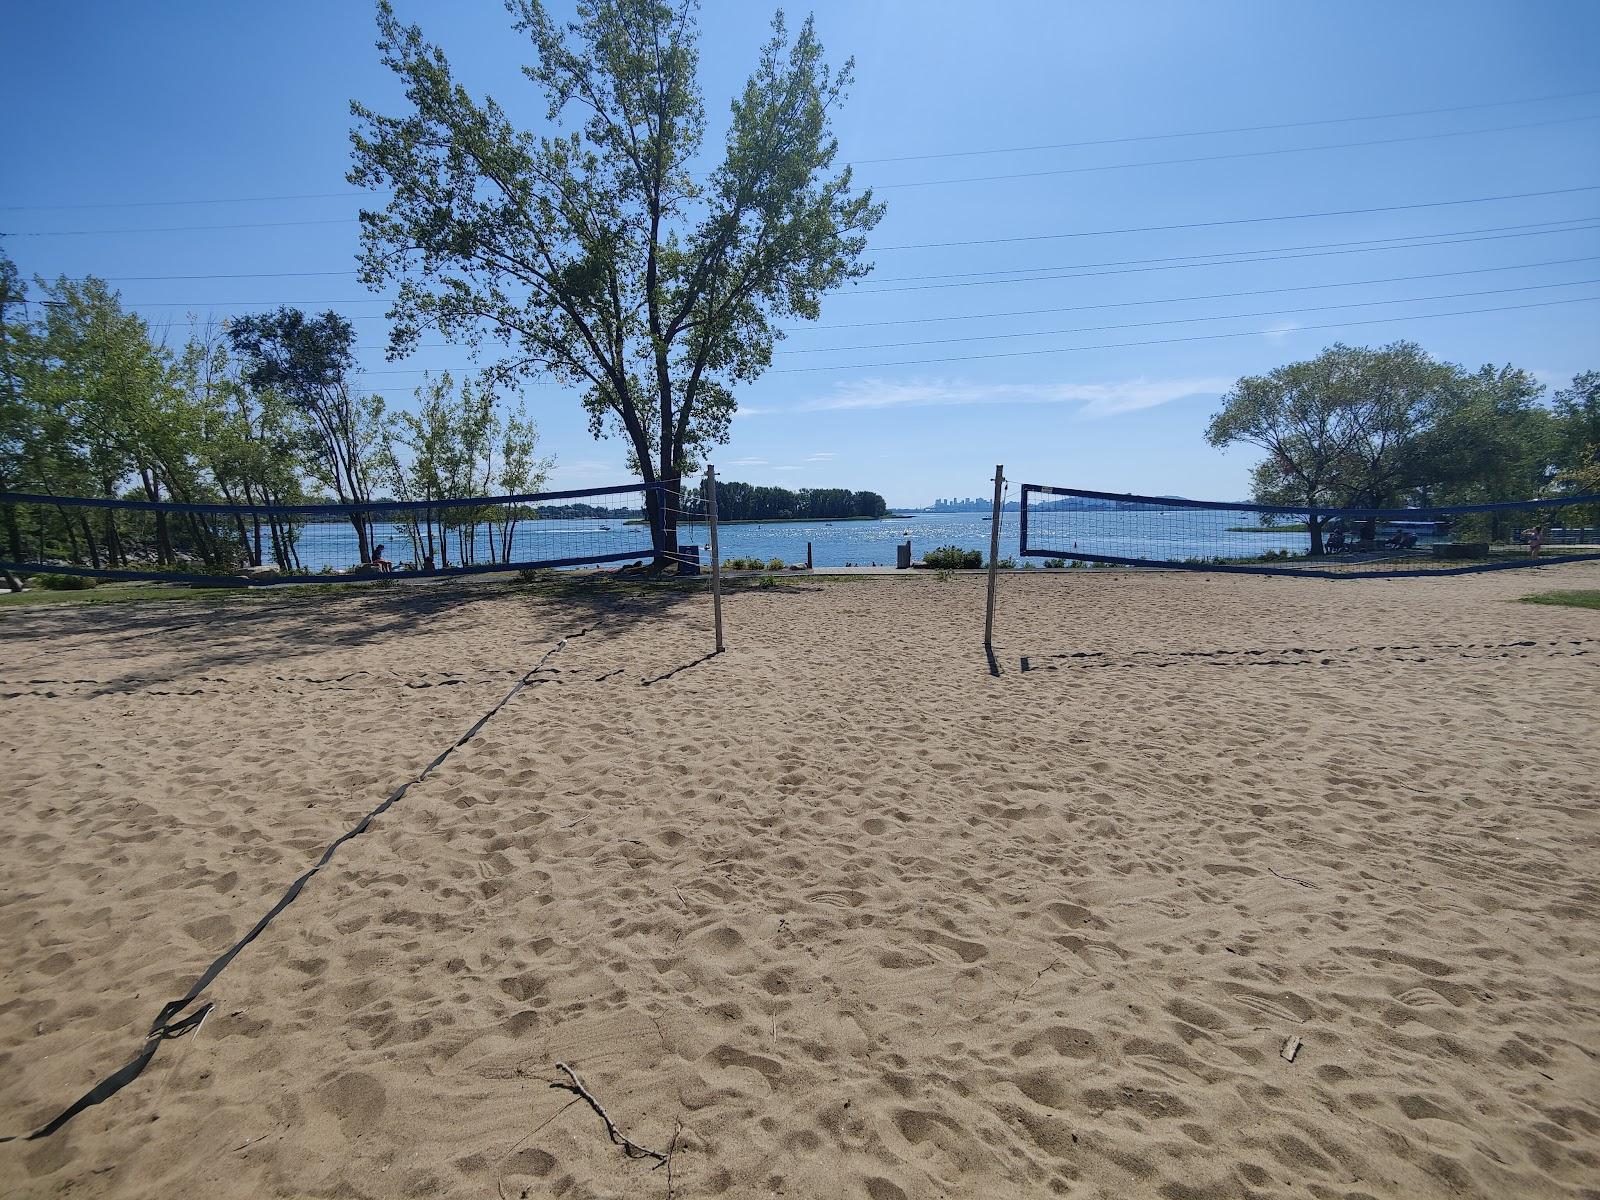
x: 1535, y: 538
x: 379, y: 561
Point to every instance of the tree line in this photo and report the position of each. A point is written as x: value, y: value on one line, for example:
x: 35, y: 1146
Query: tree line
x: 1393, y: 427
x: 265, y: 410
x: 750, y: 502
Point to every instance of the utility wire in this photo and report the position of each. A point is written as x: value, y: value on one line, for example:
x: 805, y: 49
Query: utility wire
x: 1148, y: 137
x: 1278, y: 312
x: 1303, y: 287
x: 1236, y: 154
x: 1185, y: 266
x: 1158, y: 137
x: 898, y: 278
x: 1199, y: 337
x: 1306, y: 216
x: 1168, y: 265
x: 1400, y: 241
x: 907, y: 246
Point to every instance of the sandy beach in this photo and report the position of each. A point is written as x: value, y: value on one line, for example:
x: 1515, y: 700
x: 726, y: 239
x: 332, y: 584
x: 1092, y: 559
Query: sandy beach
x: 841, y: 912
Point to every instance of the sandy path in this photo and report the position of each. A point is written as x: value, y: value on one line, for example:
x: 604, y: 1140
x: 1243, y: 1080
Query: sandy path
x: 836, y: 913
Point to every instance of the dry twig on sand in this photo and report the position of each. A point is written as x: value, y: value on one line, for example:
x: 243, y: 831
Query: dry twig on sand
x: 630, y: 1148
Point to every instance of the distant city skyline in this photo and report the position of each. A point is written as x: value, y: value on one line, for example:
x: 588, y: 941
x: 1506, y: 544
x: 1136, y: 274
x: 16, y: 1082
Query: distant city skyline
x: 1116, y: 214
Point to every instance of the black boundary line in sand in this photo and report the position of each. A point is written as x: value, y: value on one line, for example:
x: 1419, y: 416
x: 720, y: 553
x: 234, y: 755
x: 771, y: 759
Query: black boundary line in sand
x: 167, y: 1025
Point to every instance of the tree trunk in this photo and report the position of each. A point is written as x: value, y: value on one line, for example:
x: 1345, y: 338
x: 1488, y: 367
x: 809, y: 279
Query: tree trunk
x: 1314, y: 524
x: 88, y: 537
x: 13, y: 532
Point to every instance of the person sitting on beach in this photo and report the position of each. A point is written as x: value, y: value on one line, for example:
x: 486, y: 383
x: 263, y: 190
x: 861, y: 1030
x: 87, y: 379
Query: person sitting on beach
x: 379, y: 562
x: 1402, y: 540
x: 1335, y: 541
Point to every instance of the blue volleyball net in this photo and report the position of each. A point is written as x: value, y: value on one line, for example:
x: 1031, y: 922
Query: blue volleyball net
x: 1073, y: 526
x: 320, y: 543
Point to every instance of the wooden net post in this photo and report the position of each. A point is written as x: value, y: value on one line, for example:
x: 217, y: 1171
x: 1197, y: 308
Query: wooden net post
x: 994, y: 555
x: 716, y: 559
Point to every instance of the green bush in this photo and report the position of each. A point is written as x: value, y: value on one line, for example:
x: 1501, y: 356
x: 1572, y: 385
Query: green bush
x: 65, y: 583
x: 1055, y: 562
x: 750, y: 564
x: 777, y: 564
x: 1006, y: 564
x: 954, y: 558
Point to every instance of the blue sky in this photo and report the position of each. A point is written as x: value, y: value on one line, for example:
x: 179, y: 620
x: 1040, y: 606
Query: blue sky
x: 951, y: 357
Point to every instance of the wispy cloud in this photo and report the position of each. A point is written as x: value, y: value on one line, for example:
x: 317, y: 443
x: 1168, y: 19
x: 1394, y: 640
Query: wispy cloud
x: 1092, y: 399
x: 822, y: 456
x: 788, y: 468
x: 748, y: 462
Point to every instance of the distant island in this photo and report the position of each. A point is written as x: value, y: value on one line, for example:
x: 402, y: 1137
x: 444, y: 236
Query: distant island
x: 750, y: 502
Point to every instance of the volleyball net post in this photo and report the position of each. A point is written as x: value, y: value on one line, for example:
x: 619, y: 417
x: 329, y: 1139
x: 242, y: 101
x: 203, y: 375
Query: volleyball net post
x: 716, y: 559
x: 994, y: 554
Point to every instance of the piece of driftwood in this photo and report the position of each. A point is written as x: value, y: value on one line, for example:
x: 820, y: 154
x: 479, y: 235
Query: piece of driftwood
x: 631, y: 1148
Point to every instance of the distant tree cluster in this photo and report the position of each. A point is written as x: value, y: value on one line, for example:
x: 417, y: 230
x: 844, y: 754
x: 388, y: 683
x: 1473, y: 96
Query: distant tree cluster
x: 748, y: 502
x: 1394, y: 427
x: 262, y: 411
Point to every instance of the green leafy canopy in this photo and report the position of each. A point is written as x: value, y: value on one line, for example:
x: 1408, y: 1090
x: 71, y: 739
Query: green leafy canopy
x: 599, y: 253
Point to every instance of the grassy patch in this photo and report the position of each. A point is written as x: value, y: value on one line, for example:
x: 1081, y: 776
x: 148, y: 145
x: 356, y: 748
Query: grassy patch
x: 128, y: 593
x: 1570, y: 597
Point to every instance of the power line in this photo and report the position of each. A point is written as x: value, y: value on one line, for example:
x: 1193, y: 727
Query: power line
x: 184, y: 228
x: 895, y: 278
x: 906, y: 246
x: 1148, y: 137
x: 172, y: 203
x: 1184, y: 266
x: 1411, y: 240
x: 1336, y: 212
x: 1157, y: 137
x: 1302, y: 287
x: 1199, y: 337
x: 1278, y: 312
x: 1238, y: 154
x: 1176, y: 320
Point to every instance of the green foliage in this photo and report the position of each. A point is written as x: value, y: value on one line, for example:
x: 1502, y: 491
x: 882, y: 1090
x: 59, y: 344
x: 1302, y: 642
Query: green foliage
x: 64, y: 583
x: 953, y: 558
x: 776, y: 564
x: 1055, y: 563
x: 1357, y: 427
x: 749, y: 502
x: 750, y: 564
x: 605, y: 255
x: 1006, y: 564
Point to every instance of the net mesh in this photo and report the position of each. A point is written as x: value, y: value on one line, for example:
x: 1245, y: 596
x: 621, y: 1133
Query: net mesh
x: 319, y: 542
x: 1081, y: 527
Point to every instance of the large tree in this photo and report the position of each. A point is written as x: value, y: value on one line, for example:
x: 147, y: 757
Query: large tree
x: 602, y: 253
x: 1297, y: 415
x: 310, y: 362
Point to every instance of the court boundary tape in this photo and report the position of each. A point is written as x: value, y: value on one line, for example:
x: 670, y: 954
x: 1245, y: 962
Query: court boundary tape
x: 167, y: 1024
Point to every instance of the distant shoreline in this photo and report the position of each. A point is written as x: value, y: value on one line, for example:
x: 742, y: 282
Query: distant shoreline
x: 784, y: 520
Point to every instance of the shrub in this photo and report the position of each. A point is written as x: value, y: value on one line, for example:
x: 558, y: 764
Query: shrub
x: 1006, y: 564
x: 1055, y: 562
x: 776, y: 564
x: 65, y: 583
x: 954, y: 558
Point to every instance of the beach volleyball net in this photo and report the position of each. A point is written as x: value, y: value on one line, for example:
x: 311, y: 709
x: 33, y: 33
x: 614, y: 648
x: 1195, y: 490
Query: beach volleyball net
x: 1074, y: 526
x: 319, y: 543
